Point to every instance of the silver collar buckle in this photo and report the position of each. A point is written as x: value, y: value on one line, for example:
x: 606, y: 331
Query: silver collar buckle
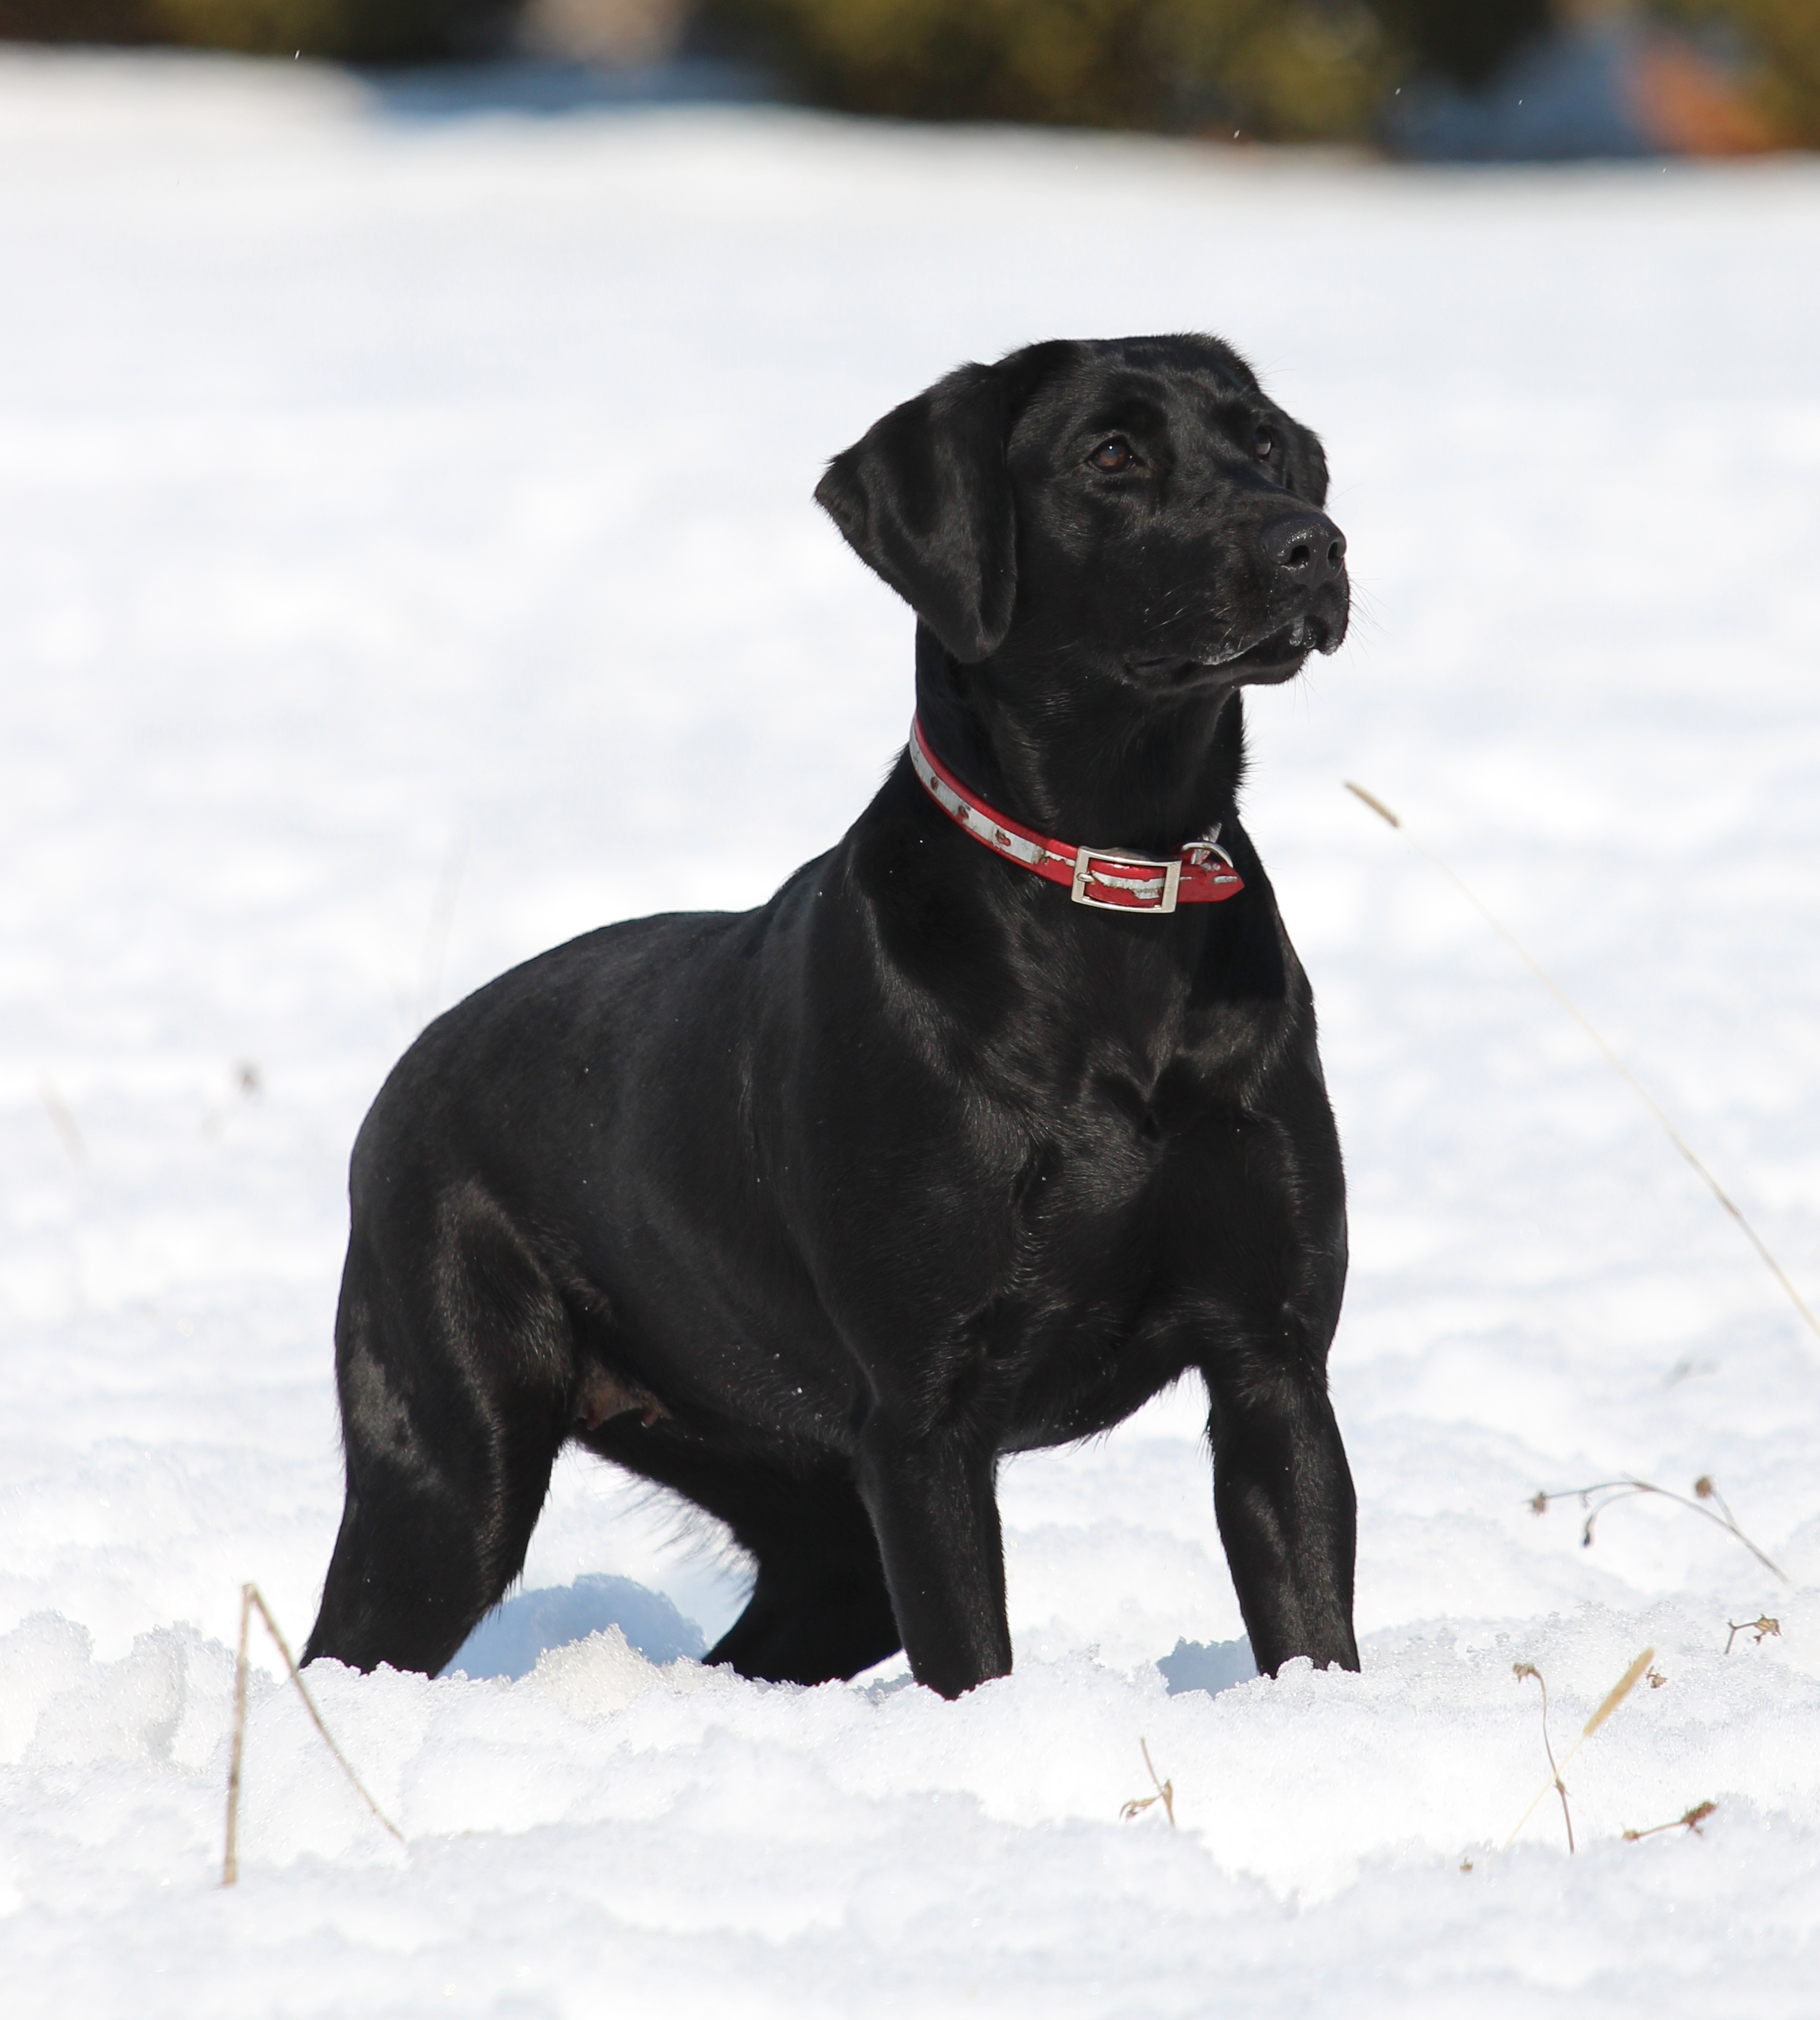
x: 1153, y: 891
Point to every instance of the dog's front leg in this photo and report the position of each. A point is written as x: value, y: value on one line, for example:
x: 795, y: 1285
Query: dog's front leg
x: 1283, y: 1495
x: 934, y: 1506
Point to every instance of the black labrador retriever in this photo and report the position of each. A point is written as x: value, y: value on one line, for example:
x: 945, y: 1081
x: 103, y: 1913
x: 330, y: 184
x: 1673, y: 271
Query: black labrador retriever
x: 996, y: 1121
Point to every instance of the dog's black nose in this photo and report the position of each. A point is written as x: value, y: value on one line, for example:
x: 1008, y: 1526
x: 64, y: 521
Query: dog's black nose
x: 1308, y: 545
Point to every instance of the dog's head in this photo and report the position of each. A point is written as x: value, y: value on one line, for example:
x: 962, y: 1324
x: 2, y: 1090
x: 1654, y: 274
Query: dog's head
x: 1138, y: 506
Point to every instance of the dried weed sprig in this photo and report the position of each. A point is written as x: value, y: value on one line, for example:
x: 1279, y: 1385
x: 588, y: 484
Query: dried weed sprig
x: 1612, y: 1700
x: 1520, y: 1671
x: 1763, y: 1624
x: 1624, y: 1490
x: 1165, y: 1795
x: 1691, y: 1820
x: 250, y: 1596
x: 1586, y: 1025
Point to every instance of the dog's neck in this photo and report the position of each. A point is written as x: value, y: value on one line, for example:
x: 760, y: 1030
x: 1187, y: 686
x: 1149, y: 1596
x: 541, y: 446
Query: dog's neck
x: 1084, y: 760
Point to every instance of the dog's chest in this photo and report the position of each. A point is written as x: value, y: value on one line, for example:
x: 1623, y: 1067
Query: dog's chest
x: 1101, y: 1259
x: 1113, y: 1118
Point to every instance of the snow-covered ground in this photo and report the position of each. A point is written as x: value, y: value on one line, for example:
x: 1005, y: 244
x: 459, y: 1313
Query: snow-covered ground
x: 407, y: 561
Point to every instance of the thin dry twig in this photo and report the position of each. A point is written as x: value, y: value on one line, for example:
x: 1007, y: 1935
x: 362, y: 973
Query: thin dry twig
x: 1165, y: 1794
x: 1692, y: 1820
x: 251, y: 1597
x: 1608, y: 1705
x: 1586, y: 1025
x: 230, y: 1859
x: 1520, y: 1670
x: 1763, y: 1624
x: 1623, y: 1490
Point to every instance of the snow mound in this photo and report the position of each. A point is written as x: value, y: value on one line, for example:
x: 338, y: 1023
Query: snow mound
x: 603, y: 1673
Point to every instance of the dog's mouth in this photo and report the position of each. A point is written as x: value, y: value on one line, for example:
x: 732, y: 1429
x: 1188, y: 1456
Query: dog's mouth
x: 1279, y: 656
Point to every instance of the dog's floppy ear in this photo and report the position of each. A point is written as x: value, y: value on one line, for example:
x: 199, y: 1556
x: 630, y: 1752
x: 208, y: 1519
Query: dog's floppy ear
x: 925, y: 499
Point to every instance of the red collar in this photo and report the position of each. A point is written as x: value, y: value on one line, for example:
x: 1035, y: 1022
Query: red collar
x: 1112, y: 880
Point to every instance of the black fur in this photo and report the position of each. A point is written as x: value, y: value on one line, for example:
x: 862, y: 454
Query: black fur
x: 812, y: 1213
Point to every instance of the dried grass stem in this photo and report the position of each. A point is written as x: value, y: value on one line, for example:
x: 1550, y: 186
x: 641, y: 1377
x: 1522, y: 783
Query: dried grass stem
x: 1586, y: 1025
x: 251, y: 1597
x: 1622, y: 1490
x: 1165, y: 1794
x: 1689, y: 1820
x: 1608, y: 1705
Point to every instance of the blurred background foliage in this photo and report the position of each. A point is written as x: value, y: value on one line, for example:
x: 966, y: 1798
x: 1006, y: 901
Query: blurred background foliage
x: 1468, y: 40
x: 1276, y: 69
x: 376, y: 31
x: 1296, y: 70
x: 1291, y: 69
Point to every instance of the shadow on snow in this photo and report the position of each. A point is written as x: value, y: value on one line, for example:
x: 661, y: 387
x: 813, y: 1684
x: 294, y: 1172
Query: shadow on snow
x: 508, y: 1642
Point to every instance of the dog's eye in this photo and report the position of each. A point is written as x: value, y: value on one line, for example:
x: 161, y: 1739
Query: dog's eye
x: 1114, y: 454
x: 1266, y: 444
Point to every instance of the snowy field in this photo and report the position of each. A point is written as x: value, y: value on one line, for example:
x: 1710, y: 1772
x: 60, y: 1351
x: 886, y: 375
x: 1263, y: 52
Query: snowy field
x: 407, y: 561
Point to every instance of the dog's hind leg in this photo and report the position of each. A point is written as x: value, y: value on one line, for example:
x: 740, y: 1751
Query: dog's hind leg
x: 456, y: 1376
x: 816, y: 1615
x: 819, y: 1610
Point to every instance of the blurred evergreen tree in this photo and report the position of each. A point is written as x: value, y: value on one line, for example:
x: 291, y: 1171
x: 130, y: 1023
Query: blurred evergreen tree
x: 1466, y: 41
x: 377, y: 31
x: 1291, y: 69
